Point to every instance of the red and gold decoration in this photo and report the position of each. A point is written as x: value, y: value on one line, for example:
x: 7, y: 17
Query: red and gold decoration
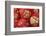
x: 24, y: 17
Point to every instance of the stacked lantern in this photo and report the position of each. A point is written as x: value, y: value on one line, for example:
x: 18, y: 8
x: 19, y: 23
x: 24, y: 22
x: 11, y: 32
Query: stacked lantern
x: 24, y: 17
